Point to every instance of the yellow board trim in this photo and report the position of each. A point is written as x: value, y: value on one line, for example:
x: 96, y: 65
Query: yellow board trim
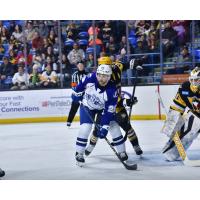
x: 63, y: 119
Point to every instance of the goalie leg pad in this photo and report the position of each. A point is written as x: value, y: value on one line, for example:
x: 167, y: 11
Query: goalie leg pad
x: 173, y: 123
x: 189, y: 131
x: 193, y: 122
x: 173, y: 154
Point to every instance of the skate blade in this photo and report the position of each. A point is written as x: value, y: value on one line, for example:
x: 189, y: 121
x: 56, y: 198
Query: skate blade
x: 80, y: 164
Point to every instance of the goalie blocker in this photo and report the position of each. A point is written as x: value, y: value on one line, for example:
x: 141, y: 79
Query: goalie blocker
x: 187, y: 133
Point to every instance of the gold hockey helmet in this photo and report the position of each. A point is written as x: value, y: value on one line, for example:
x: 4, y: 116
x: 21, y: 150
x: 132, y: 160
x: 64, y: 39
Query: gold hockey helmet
x: 104, y: 61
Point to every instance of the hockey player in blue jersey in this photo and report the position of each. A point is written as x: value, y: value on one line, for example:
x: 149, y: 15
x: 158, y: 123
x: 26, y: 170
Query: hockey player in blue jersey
x: 99, y: 96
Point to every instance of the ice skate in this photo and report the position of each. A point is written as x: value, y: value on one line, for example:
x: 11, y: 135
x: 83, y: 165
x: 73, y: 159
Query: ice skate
x: 80, y: 161
x: 2, y: 173
x: 138, y: 150
x: 89, y: 149
x: 123, y: 156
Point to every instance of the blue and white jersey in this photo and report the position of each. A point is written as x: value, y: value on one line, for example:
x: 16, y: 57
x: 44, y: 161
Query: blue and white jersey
x: 96, y: 97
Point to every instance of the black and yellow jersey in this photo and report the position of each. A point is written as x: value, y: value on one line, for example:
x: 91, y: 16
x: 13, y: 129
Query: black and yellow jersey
x: 185, y: 97
x: 117, y: 69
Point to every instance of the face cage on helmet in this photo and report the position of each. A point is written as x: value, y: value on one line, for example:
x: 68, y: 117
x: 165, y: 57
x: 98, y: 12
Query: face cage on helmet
x: 195, y: 81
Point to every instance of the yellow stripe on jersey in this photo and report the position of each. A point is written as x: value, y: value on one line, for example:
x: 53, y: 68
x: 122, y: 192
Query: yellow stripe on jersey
x: 179, y: 100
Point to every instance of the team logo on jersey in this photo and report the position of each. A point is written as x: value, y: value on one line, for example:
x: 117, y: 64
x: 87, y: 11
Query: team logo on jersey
x: 185, y: 93
x: 115, y: 95
x: 111, y: 109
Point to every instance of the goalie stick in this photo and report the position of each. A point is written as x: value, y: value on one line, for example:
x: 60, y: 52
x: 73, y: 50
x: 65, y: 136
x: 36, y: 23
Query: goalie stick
x: 126, y: 165
x: 178, y: 143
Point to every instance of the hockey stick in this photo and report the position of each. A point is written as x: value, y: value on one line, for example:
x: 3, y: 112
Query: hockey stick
x: 178, y: 143
x: 127, y: 166
x: 138, y: 68
x: 134, y: 86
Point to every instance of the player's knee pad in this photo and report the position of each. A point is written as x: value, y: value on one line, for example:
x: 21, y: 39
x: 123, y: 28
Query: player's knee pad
x: 173, y: 123
x: 118, y: 140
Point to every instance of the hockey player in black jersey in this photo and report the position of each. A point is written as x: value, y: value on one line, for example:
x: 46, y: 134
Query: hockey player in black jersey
x: 122, y: 117
x: 76, y: 77
x: 187, y: 125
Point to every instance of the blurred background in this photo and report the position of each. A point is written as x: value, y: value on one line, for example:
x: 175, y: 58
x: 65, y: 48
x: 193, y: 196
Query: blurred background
x: 168, y: 50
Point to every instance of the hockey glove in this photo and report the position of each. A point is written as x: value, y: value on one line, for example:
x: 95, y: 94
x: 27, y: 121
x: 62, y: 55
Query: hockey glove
x: 102, y: 132
x: 77, y: 96
x: 131, y: 102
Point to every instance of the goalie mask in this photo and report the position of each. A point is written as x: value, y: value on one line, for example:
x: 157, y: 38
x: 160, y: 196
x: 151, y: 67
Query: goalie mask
x: 195, y: 77
x: 103, y: 74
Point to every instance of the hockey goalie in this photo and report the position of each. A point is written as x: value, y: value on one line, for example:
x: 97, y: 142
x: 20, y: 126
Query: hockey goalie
x: 183, y: 117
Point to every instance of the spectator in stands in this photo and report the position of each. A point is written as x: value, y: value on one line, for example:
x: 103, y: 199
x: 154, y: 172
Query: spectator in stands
x: 14, y: 44
x: 51, y: 37
x: 180, y: 26
x: 143, y: 38
x: 29, y: 31
x: 20, y: 79
x: 18, y: 34
x: 141, y: 26
x: 6, y: 72
x: 49, y: 78
x: 48, y: 60
x: 141, y: 49
x: 112, y: 47
x: 72, y: 31
x: 123, y: 43
x: 180, y: 65
x: 43, y: 29
x: 37, y: 61
x: 21, y: 57
x: 2, y: 49
x: 153, y: 44
x: 46, y: 44
x: 50, y: 53
x: 89, y: 66
x: 13, y: 59
x: 76, y: 55
x: 37, y: 42
x: 5, y: 36
x: 169, y: 40
x: 35, y: 78
x: 56, y: 47
x: 93, y: 31
x: 66, y: 70
x: 106, y: 32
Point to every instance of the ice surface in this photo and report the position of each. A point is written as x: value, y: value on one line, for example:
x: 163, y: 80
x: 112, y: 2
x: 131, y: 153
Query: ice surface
x: 46, y: 151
